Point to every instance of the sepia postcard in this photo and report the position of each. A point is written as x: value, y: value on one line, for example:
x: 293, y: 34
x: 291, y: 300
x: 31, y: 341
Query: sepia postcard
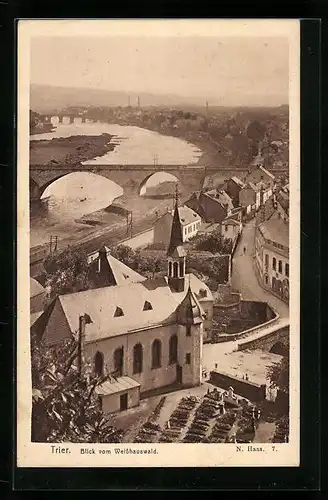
x: 158, y: 233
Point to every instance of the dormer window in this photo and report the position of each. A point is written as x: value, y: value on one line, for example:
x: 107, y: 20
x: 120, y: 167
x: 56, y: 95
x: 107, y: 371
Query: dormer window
x: 147, y: 306
x: 118, y: 312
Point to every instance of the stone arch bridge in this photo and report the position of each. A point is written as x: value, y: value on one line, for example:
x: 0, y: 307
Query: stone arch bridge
x: 72, y: 118
x: 131, y: 178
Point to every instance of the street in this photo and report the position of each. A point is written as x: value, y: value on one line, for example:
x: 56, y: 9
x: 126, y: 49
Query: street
x: 140, y: 240
x: 243, y: 275
x: 244, y: 280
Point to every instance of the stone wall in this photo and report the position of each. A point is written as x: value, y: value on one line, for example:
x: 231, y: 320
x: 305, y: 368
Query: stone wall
x: 268, y: 341
x: 250, y: 390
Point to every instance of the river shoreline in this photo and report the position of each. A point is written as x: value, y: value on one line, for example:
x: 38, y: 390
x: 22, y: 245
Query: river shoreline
x: 74, y: 149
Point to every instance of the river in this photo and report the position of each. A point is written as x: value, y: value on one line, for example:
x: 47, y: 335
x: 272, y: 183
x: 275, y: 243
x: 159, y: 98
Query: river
x: 82, y: 193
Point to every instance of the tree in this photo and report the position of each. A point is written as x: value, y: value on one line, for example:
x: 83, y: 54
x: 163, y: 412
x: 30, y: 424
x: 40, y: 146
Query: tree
x: 65, y: 406
x: 278, y: 375
x: 256, y: 132
x: 124, y: 254
x: 212, y: 242
x: 66, y: 271
x: 147, y: 264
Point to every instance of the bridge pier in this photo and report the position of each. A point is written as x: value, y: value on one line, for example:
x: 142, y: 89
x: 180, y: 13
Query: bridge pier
x: 71, y: 119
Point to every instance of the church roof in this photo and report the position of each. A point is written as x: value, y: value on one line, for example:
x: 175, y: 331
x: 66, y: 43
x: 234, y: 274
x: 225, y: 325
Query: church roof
x: 190, y: 312
x: 101, y: 304
x: 113, y: 271
x: 35, y: 288
x: 176, y: 238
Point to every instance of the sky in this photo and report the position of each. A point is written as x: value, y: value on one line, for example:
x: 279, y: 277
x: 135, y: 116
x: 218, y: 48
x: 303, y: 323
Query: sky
x: 225, y: 70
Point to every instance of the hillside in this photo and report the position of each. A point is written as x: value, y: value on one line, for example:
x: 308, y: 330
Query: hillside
x: 44, y: 98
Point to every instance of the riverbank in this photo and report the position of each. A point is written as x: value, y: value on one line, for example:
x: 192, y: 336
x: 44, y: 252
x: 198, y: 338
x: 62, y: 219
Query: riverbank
x: 74, y: 149
x: 103, y: 227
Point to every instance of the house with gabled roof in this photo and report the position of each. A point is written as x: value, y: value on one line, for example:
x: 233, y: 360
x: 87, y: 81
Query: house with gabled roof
x: 145, y: 333
x: 190, y: 222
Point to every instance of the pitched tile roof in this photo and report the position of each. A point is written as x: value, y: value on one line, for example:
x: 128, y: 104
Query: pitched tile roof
x: 35, y: 288
x: 275, y: 229
x: 187, y: 215
x: 238, y: 181
x: 221, y: 197
x: 190, y: 312
x: 101, y: 303
x: 117, y: 385
x: 265, y: 171
x: 114, y: 271
x: 231, y: 222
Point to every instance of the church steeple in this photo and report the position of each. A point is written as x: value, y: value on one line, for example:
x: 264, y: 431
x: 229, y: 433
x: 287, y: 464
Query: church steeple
x: 176, y: 238
x: 176, y: 254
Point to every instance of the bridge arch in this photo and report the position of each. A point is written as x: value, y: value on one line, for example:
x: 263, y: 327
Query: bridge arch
x: 155, y: 179
x: 34, y: 189
x: 61, y: 175
x: 279, y: 348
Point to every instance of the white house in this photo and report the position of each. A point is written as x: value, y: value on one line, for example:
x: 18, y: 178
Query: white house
x: 231, y: 228
x: 190, y: 223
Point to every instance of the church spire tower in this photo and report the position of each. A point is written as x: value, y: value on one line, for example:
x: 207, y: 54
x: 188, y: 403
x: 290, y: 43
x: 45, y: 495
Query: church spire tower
x: 176, y: 255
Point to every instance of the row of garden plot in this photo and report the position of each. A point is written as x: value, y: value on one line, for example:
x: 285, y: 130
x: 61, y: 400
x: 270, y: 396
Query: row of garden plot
x: 150, y: 430
x: 179, y: 419
x: 197, y: 420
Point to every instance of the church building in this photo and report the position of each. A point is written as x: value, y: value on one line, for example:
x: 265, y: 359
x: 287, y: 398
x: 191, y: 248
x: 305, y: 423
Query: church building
x: 147, y: 334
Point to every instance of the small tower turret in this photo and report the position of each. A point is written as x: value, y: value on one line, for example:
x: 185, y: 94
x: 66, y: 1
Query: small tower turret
x: 190, y: 318
x: 176, y: 254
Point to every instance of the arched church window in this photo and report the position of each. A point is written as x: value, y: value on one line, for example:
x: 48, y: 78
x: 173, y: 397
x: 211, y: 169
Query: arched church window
x: 181, y: 268
x: 170, y: 268
x: 173, y: 349
x: 137, y: 358
x: 175, y: 270
x: 99, y: 364
x: 156, y: 354
x: 118, y: 361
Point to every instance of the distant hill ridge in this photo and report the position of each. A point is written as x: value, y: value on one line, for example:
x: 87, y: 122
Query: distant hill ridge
x: 48, y: 97
x: 44, y: 98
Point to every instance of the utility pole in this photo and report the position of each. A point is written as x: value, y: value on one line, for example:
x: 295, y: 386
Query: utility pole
x: 129, y: 224
x: 138, y: 101
x: 80, y: 347
x: 155, y: 159
x: 83, y: 320
x: 53, y: 243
